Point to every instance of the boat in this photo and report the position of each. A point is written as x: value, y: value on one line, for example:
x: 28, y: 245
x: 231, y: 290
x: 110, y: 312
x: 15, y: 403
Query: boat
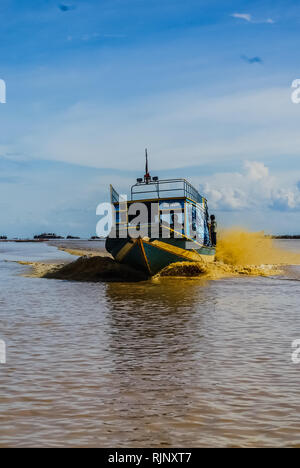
x: 176, y: 227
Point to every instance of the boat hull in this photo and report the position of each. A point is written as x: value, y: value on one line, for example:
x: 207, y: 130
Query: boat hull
x: 152, y: 255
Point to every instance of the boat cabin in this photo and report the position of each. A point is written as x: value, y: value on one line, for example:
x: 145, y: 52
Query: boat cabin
x: 170, y: 202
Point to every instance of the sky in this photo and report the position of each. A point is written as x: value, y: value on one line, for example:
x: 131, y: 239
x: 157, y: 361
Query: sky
x: 204, y: 85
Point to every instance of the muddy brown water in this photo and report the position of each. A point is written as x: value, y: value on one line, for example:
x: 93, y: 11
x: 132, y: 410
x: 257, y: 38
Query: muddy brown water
x: 169, y: 363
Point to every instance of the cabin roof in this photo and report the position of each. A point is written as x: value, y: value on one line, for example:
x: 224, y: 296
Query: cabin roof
x: 165, y: 189
x: 156, y: 200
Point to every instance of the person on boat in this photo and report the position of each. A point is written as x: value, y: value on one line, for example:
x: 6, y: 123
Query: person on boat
x: 213, y: 230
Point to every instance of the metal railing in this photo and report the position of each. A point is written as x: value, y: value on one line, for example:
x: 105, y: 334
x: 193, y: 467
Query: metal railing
x: 173, y: 188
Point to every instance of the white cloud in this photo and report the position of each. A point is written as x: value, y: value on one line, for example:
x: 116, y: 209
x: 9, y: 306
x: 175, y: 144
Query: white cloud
x: 249, y: 18
x: 253, y: 189
x: 244, y: 16
x: 256, y: 171
x: 182, y: 129
x: 285, y: 199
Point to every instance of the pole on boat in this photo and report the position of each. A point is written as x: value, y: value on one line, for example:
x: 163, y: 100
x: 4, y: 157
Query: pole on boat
x: 147, y: 177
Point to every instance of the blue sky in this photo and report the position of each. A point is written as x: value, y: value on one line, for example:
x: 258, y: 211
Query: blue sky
x: 205, y: 85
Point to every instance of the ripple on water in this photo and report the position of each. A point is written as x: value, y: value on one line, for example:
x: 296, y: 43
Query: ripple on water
x: 165, y: 363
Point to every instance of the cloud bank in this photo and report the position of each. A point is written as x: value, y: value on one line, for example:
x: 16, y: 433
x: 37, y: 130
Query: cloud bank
x: 253, y: 189
x: 235, y: 127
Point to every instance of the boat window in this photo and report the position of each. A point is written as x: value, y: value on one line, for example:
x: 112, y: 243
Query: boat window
x: 172, y: 214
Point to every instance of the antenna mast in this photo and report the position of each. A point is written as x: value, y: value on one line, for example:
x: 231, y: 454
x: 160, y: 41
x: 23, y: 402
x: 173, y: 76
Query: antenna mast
x: 147, y: 177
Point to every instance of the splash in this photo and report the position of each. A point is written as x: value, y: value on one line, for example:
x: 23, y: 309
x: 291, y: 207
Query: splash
x: 215, y: 271
x: 239, y: 253
x: 239, y: 247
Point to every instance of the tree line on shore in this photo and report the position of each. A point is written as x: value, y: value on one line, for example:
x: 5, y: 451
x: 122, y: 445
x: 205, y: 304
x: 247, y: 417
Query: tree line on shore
x: 46, y: 236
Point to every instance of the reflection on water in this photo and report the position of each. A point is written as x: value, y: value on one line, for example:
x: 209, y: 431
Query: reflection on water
x: 165, y: 363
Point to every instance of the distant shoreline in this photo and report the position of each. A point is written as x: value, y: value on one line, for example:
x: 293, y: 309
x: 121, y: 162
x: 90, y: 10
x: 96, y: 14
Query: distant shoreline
x: 62, y: 239
x: 286, y: 237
